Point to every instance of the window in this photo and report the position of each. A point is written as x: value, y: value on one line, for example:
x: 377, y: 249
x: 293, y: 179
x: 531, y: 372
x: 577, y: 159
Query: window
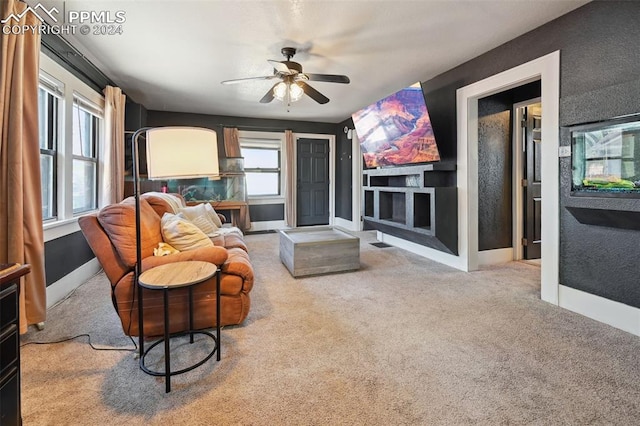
x: 262, y: 164
x: 86, y: 126
x: 71, y: 131
x: 48, y: 137
x: 262, y: 169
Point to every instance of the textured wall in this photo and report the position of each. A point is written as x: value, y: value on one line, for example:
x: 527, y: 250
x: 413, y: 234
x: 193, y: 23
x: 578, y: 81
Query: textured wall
x: 344, y: 171
x: 495, y: 159
x: 599, y: 79
x: 494, y: 182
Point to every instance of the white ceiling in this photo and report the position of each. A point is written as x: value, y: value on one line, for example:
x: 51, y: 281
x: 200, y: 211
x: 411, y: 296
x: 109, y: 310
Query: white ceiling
x: 173, y: 55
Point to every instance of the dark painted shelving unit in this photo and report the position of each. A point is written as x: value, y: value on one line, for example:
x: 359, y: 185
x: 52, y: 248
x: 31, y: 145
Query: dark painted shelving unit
x: 417, y: 203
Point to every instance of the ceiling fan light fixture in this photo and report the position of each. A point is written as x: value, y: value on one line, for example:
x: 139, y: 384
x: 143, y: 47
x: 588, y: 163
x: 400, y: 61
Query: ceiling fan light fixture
x: 280, y: 91
x: 295, y: 92
x: 287, y: 92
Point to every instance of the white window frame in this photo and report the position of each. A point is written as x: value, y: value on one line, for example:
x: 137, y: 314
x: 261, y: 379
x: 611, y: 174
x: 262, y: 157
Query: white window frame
x: 55, y: 89
x: 89, y: 107
x: 71, y: 88
x: 265, y: 140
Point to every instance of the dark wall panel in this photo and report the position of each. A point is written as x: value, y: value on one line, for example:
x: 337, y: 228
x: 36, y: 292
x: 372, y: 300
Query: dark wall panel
x: 344, y: 171
x: 599, y: 62
x: 266, y: 212
x: 65, y: 254
x: 495, y: 163
x: 494, y: 182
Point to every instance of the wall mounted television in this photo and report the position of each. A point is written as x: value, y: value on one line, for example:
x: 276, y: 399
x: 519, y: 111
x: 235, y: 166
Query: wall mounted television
x: 396, y: 130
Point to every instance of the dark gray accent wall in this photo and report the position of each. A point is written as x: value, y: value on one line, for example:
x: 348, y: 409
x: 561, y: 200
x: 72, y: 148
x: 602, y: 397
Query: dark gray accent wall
x: 64, y: 255
x: 344, y: 171
x: 266, y: 212
x: 135, y: 116
x: 495, y: 160
x: 258, y: 213
x: 494, y: 182
x: 599, y: 79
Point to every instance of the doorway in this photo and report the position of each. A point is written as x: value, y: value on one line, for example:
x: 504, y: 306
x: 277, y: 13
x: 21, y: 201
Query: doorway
x: 546, y: 69
x: 527, y: 180
x: 313, y: 182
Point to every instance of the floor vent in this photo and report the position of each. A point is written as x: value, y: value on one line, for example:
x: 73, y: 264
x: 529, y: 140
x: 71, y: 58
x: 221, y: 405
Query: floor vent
x: 267, y: 231
x: 381, y: 245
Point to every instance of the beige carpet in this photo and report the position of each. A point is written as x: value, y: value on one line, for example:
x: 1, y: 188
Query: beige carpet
x: 403, y: 341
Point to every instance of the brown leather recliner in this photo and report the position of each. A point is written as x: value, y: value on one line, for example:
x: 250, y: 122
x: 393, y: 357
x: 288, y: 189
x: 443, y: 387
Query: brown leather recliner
x: 111, y: 235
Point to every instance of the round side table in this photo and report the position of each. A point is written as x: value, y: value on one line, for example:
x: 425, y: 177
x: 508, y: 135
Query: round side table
x: 168, y: 277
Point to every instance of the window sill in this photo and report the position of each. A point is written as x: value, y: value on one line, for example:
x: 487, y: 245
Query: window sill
x: 61, y: 228
x: 267, y: 199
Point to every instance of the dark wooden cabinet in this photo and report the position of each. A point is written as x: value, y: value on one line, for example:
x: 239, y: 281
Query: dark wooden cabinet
x: 10, y: 413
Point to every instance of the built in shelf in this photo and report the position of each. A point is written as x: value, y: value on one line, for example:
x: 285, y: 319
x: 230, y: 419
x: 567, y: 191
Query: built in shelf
x: 417, y: 203
x: 611, y: 218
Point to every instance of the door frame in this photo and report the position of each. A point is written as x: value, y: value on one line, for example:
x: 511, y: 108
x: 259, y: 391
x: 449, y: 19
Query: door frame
x: 518, y: 174
x: 332, y: 169
x: 546, y: 69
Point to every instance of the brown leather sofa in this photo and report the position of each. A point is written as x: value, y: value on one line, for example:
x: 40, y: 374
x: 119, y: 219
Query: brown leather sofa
x: 111, y: 235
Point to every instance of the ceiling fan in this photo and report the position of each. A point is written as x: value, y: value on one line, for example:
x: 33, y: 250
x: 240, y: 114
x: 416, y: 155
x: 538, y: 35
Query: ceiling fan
x: 293, y: 82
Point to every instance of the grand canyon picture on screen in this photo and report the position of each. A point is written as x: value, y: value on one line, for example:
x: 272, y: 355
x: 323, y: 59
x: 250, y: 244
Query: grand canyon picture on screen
x: 396, y: 130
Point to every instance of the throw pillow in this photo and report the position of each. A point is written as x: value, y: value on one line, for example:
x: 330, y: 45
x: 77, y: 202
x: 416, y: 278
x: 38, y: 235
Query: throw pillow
x: 199, y: 216
x: 213, y: 215
x: 182, y: 234
x: 118, y: 221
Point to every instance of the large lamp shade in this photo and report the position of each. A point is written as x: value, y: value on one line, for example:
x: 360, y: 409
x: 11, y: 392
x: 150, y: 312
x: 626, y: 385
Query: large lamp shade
x: 181, y: 153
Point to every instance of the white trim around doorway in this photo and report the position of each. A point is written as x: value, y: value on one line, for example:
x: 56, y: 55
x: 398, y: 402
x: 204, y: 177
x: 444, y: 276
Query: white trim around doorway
x: 546, y: 69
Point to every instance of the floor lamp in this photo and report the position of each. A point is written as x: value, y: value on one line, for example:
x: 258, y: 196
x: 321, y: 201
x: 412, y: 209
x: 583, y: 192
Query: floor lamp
x: 171, y: 153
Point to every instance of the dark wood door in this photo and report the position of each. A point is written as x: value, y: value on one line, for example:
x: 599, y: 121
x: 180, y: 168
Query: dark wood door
x: 533, y: 183
x: 313, y: 182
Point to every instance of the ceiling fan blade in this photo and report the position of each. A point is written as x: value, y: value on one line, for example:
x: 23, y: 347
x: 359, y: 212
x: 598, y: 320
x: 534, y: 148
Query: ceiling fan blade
x: 242, y: 80
x: 313, y: 93
x: 280, y: 67
x: 330, y: 78
x: 268, y: 97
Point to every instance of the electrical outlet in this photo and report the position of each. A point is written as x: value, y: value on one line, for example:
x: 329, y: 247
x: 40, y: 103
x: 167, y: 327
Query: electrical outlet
x: 564, y: 151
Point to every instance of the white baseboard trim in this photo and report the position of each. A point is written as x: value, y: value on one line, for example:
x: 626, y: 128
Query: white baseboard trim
x: 344, y: 223
x: 65, y: 285
x: 267, y: 225
x: 492, y: 257
x: 615, y: 314
x: 429, y: 253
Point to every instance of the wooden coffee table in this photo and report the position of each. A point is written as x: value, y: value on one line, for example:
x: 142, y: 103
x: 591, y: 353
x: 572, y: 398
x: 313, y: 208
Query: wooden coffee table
x: 310, y: 251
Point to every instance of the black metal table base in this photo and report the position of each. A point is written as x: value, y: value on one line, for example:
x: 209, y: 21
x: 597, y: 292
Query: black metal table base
x: 147, y: 370
x: 167, y: 373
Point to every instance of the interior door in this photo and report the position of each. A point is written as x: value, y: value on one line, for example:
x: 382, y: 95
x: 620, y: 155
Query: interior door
x: 532, y: 183
x: 312, y: 182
